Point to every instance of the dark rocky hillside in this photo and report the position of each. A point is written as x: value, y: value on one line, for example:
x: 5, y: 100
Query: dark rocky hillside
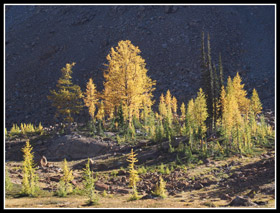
x: 40, y: 40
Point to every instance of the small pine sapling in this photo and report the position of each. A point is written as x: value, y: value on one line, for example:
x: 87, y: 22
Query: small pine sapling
x: 6, y: 133
x: 65, y: 186
x: 15, y: 130
x: 40, y: 129
x: 255, y: 103
x: 8, y: 182
x: 160, y: 188
x: 30, y: 179
x: 89, y: 185
x: 133, y: 175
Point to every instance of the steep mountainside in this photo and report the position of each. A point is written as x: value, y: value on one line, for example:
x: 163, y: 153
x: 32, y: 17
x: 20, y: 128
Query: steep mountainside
x: 40, y: 40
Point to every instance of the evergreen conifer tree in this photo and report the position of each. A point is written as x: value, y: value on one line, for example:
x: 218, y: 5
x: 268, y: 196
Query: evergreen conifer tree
x: 68, y: 98
x: 89, y: 185
x: 221, y: 74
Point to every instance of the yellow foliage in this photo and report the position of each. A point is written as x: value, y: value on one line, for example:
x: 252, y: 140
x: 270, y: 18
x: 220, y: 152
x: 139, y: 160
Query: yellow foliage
x: 162, y: 107
x: 168, y: 99
x: 232, y: 121
x: 240, y: 94
x: 190, y: 116
x: 67, y: 174
x: 200, y: 108
x: 27, y: 128
x: 14, y: 130
x: 126, y: 80
x: 40, y: 128
x: 183, y: 112
x: 160, y: 188
x: 90, y: 98
x: 174, y: 105
x: 196, y: 116
x: 168, y: 103
x: 255, y: 103
x: 133, y: 174
x: 100, y: 113
x: 29, y: 181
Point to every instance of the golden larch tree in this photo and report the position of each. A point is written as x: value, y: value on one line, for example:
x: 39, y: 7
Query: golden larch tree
x: 200, y: 113
x: 255, y: 103
x: 126, y: 80
x: 168, y: 103
x: 162, y: 107
x: 133, y: 174
x: 174, y: 105
x: 90, y: 98
x: 231, y: 116
x: 100, y: 113
x: 190, y: 114
x: 240, y: 94
x: 183, y: 112
x: 30, y: 185
x: 221, y: 103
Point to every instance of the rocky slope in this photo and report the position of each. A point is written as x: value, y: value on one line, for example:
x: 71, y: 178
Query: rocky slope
x: 40, y: 40
x: 234, y: 181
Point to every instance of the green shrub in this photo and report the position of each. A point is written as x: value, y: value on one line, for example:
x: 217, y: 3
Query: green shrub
x: 160, y: 188
x: 161, y: 169
x: 142, y: 170
x: 89, y: 185
x: 8, y: 183
x: 65, y: 186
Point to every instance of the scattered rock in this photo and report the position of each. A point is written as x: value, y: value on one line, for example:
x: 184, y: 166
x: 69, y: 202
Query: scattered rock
x: 172, y: 193
x: 268, y: 189
x: 121, y: 172
x: 55, y: 178
x: 43, y: 162
x: 261, y: 203
x: 82, y: 165
x: 225, y: 197
x: 67, y: 146
x: 74, y: 182
x: 124, y: 191
x: 101, y: 186
x: 241, y: 201
x: 197, y: 186
x: 148, y: 196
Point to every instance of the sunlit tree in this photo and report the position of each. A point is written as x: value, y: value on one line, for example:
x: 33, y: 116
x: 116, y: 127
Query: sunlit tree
x: 126, y: 80
x: 90, y: 98
x: 255, y: 103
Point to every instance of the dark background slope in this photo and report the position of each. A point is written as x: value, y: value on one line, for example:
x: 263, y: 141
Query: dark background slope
x: 40, y: 40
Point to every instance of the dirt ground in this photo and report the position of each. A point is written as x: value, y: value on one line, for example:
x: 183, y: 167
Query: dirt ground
x: 210, y: 184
